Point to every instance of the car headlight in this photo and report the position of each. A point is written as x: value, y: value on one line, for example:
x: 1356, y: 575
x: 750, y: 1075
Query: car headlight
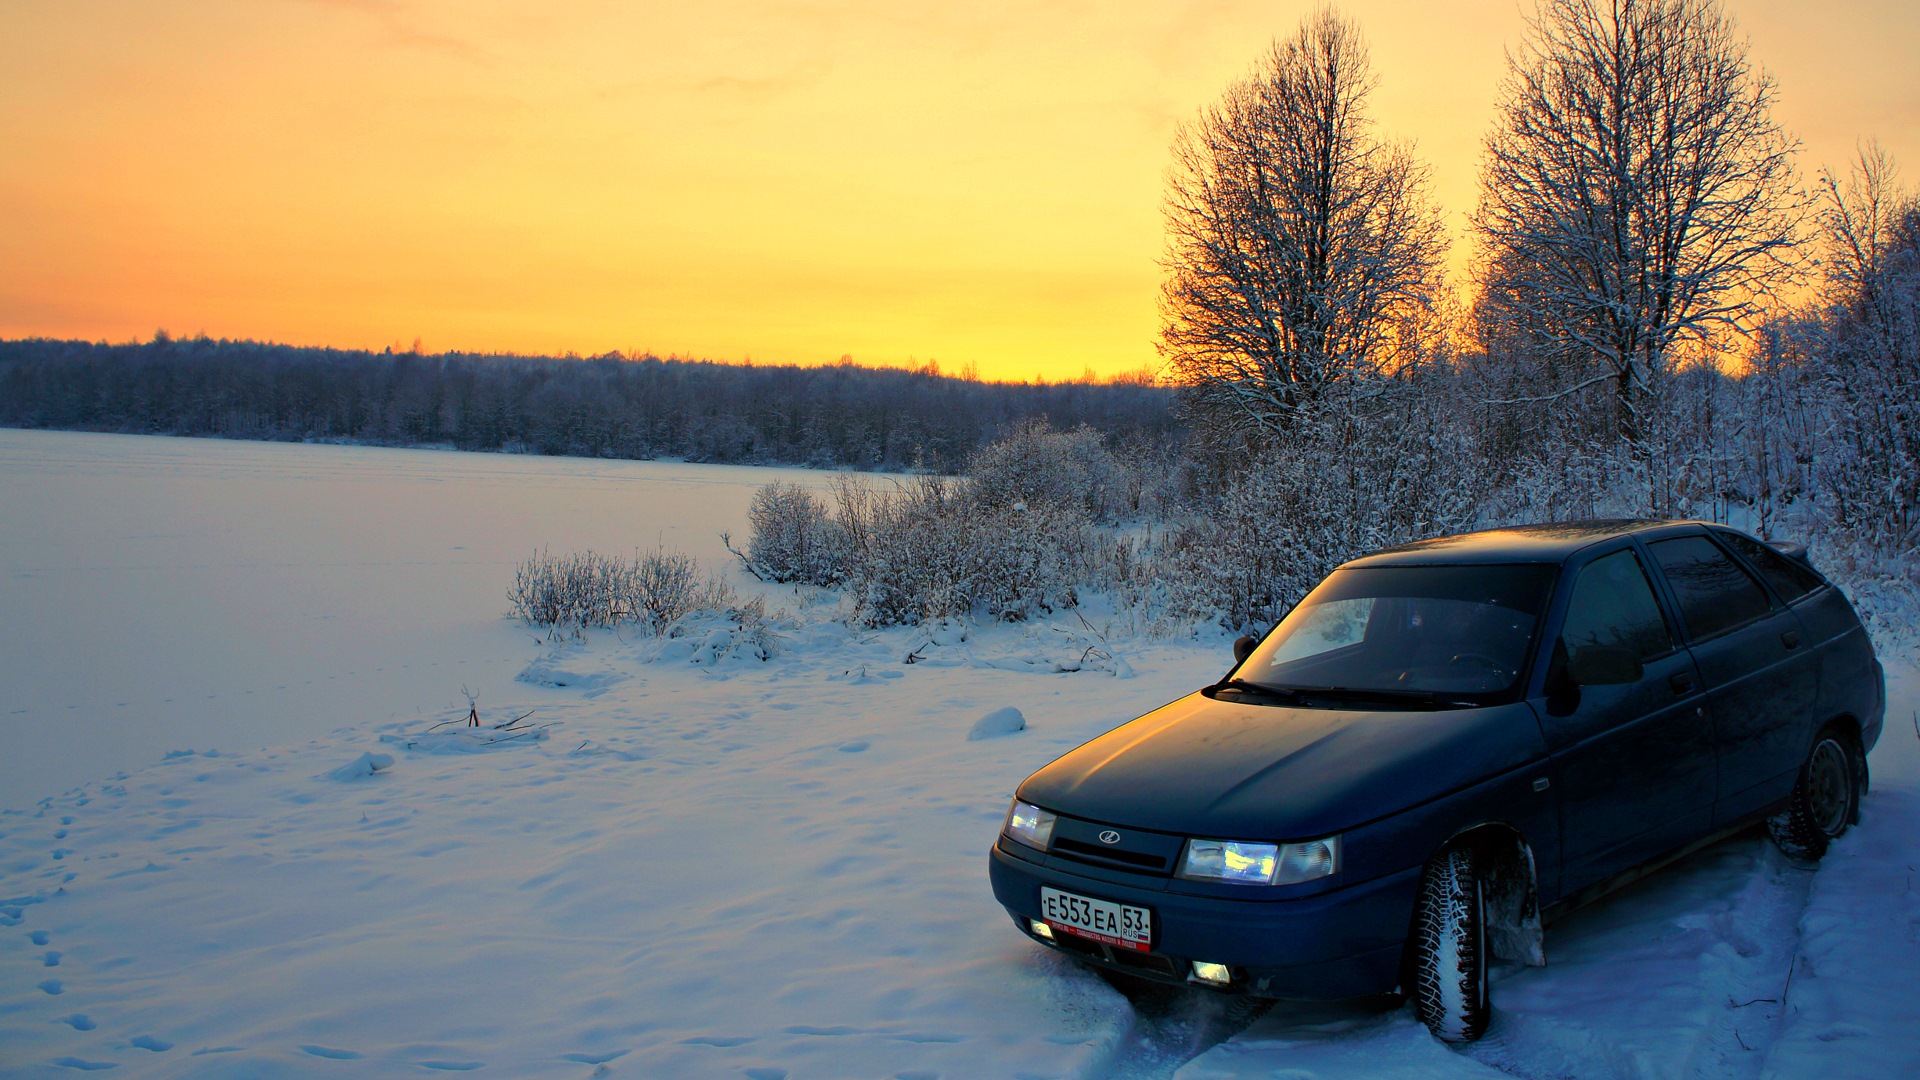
x: 1260, y: 864
x: 1029, y: 825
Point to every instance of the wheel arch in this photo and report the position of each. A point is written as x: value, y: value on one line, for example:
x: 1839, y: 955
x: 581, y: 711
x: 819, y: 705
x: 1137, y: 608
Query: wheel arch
x: 1849, y: 725
x: 1515, y: 932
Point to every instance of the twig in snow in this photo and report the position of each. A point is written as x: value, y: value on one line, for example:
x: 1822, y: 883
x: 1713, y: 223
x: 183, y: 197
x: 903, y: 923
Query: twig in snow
x: 1743, y: 1004
x: 515, y: 720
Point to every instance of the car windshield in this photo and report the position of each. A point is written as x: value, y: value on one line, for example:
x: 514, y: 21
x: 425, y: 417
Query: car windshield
x: 1405, y: 632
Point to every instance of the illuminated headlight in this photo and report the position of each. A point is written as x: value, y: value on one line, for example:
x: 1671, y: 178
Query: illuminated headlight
x: 1260, y: 864
x: 1030, y: 825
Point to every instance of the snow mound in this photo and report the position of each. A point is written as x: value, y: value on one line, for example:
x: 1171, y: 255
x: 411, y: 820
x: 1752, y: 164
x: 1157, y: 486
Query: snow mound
x: 361, y: 767
x: 591, y: 676
x: 998, y: 723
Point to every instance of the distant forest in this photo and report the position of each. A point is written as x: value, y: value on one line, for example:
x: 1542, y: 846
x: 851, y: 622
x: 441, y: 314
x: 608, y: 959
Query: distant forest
x: 607, y: 406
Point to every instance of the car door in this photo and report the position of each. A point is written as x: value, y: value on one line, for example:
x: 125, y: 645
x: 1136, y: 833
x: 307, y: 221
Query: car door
x: 1761, y: 681
x: 1634, y: 763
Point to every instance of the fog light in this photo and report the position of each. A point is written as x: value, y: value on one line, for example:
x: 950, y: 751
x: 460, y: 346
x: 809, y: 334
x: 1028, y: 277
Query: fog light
x: 1216, y: 974
x: 1041, y: 930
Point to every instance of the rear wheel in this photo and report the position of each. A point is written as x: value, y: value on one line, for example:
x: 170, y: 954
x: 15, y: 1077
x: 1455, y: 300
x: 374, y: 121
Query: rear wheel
x: 1449, y: 948
x: 1825, y: 798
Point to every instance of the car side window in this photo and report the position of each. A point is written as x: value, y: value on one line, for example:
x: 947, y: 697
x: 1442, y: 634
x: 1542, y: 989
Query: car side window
x: 1788, y: 578
x: 1714, y: 592
x: 1612, y: 604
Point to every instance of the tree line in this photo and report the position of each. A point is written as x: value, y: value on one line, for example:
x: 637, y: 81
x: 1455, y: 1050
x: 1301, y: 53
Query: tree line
x: 607, y: 406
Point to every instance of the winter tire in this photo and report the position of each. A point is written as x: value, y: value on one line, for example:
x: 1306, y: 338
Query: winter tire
x: 1824, y: 801
x: 1449, y: 948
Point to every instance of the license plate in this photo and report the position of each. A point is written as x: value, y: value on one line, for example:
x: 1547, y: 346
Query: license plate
x: 1121, y: 925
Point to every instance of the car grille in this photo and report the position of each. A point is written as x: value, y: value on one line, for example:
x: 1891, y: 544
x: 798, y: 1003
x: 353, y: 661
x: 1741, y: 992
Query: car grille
x: 1131, y: 849
x: 1131, y: 858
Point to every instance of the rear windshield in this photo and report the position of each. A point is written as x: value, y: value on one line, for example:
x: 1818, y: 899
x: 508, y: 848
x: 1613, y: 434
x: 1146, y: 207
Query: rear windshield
x: 1458, y: 631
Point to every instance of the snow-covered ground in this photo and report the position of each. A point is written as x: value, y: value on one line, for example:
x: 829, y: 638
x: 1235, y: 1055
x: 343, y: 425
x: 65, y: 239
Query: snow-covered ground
x: 779, y: 870
x: 159, y: 592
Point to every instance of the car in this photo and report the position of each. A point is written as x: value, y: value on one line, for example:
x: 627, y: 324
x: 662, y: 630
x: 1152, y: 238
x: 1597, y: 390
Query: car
x: 1442, y: 747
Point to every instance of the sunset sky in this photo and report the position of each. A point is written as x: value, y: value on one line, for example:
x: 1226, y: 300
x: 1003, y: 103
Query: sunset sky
x: 977, y: 183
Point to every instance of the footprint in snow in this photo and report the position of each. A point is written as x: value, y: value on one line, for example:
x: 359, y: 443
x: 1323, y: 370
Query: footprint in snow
x: 331, y: 1052
x: 84, y: 1065
x: 52, y: 986
x: 38, y: 937
x: 148, y: 1042
x: 79, y: 1022
x: 51, y: 959
x: 854, y: 747
x: 594, y: 1059
x: 453, y: 1066
x: 766, y: 1074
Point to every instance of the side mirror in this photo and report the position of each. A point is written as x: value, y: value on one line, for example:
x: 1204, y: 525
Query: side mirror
x: 1243, y: 648
x: 1603, y: 665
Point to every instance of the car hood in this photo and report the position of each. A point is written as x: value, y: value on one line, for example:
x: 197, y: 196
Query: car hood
x: 1202, y: 767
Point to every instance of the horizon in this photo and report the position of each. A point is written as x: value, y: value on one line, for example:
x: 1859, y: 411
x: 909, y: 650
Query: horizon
x: 755, y: 184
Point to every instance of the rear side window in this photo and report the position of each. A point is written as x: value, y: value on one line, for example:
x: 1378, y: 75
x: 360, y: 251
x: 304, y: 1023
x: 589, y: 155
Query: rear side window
x: 1612, y: 604
x: 1788, y: 578
x: 1715, y: 594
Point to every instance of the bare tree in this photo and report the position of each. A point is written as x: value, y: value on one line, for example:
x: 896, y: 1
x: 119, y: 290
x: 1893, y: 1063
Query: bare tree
x: 1637, y: 194
x: 1298, y: 242
x: 1870, y: 359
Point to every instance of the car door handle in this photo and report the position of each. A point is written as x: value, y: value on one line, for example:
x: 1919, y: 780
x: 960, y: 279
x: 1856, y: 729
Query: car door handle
x: 1680, y: 681
x: 1791, y: 639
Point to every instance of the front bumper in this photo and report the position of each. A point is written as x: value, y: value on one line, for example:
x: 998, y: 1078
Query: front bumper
x: 1340, y: 943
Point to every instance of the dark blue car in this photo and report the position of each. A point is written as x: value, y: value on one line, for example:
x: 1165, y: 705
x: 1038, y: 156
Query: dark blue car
x: 1441, y: 747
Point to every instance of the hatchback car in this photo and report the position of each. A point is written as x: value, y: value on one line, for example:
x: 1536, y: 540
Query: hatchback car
x: 1440, y: 748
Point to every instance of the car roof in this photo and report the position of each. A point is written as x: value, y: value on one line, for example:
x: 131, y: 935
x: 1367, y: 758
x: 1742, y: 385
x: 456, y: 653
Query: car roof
x: 1543, y: 543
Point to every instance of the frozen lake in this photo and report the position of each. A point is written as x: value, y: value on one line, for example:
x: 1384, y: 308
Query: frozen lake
x: 164, y: 593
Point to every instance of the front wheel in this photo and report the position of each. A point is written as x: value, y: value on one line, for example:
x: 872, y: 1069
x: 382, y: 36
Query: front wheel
x: 1825, y: 798
x: 1449, y: 945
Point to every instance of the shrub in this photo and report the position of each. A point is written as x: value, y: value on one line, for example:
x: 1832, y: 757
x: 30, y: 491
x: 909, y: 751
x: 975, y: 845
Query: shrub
x: 793, y: 540
x: 586, y: 589
x: 1038, y: 466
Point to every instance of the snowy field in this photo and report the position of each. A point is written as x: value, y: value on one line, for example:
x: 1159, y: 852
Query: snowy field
x: 165, y: 592
x: 727, y: 869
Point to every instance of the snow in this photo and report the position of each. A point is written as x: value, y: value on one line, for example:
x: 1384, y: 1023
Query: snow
x: 668, y: 859
x: 997, y: 724
x: 162, y: 592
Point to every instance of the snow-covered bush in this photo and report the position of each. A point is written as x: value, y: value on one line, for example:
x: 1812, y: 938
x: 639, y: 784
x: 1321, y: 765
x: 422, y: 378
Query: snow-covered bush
x: 1035, y: 465
x: 586, y: 589
x: 931, y: 549
x: 1383, y: 464
x: 928, y: 549
x: 793, y: 539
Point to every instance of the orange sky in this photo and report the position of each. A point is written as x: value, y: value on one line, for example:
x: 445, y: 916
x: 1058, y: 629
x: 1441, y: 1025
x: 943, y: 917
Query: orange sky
x: 972, y: 182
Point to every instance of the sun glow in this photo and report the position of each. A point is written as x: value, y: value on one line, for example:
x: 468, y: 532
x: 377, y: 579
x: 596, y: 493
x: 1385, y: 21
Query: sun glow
x: 898, y: 181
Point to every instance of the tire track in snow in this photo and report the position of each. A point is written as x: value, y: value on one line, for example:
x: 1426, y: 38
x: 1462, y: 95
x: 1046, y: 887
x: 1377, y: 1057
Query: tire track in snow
x: 1682, y: 975
x: 1171, y: 1026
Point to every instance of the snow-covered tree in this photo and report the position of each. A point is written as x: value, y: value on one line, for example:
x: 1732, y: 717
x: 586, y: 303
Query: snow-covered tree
x: 1298, y: 241
x: 1637, y: 194
x: 1871, y: 356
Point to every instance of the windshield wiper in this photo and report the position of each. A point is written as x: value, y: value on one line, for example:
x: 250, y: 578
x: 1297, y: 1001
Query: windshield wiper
x: 1250, y: 687
x: 1430, y: 698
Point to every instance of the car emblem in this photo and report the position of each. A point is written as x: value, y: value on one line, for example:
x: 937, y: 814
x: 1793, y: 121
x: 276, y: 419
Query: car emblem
x: 1109, y: 837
